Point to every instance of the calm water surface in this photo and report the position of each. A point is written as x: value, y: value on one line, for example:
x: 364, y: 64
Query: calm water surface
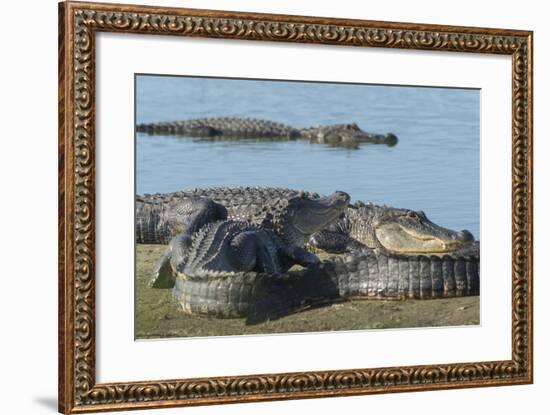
x: 434, y: 167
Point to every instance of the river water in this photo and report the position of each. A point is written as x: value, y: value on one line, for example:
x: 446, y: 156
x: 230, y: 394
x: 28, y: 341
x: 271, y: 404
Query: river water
x: 434, y: 167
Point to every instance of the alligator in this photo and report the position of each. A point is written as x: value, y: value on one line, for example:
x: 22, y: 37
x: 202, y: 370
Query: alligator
x: 288, y: 222
x: 216, y: 128
x: 369, y: 274
x: 268, y: 290
x: 184, y: 220
x: 159, y: 216
x: 228, y: 257
x: 388, y: 229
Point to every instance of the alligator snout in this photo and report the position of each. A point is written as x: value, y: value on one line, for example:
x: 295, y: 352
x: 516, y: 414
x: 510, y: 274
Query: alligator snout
x: 464, y: 236
x: 390, y: 139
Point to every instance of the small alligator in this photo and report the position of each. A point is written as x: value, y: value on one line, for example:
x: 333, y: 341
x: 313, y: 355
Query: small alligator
x: 388, y: 229
x: 245, y: 128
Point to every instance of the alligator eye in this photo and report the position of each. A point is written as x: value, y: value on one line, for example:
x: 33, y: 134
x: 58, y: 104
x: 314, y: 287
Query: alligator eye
x: 412, y: 215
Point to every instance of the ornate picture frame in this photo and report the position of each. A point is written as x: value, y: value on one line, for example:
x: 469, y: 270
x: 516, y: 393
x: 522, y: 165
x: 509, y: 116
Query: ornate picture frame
x: 78, y: 25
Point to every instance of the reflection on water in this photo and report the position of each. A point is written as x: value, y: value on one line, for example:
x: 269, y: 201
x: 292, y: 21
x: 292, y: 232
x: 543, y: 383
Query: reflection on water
x: 434, y: 167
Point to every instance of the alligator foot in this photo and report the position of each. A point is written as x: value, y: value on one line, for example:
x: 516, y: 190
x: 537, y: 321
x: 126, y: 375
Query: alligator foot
x: 335, y: 242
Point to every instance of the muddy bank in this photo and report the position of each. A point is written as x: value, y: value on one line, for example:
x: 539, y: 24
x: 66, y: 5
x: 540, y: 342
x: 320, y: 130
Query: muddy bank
x: 158, y: 316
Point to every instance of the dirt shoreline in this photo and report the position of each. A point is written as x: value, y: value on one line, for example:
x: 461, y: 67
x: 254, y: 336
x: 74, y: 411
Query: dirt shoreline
x: 158, y: 316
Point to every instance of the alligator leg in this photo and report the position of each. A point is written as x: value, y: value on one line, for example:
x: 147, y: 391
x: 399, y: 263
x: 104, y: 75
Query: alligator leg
x: 292, y: 255
x: 188, y: 218
x: 301, y: 257
x: 335, y: 242
x: 163, y: 275
x: 251, y: 252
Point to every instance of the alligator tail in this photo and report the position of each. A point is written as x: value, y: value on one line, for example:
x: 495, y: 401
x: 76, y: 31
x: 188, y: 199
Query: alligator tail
x: 149, y: 227
x: 370, y: 274
x: 258, y: 297
x: 376, y: 275
x: 289, y: 293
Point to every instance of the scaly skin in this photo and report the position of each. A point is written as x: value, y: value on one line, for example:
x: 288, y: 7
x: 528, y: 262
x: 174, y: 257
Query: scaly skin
x: 263, y: 294
x: 226, y: 250
x: 175, y: 218
x: 369, y: 275
x: 216, y: 128
x: 186, y: 219
x: 158, y: 215
x: 160, y: 222
x: 379, y: 275
x: 271, y: 242
x: 388, y: 229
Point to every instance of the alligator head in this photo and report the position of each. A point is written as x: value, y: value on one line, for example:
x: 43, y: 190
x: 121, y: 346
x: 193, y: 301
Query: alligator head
x: 403, y: 231
x: 348, y: 134
x: 297, y: 218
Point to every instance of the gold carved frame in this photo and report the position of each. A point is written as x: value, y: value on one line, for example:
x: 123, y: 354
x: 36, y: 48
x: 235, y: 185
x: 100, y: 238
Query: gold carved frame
x: 78, y: 24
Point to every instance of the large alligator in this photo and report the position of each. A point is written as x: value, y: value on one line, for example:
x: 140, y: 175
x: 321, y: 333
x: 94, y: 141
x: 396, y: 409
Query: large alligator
x: 161, y: 216
x: 245, y: 128
x: 226, y: 255
x: 388, y: 229
x: 369, y: 274
x: 281, y: 227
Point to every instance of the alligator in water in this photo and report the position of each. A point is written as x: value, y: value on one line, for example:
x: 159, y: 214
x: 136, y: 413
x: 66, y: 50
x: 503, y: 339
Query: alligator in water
x: 388, y: 229
x: 221, y: 128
